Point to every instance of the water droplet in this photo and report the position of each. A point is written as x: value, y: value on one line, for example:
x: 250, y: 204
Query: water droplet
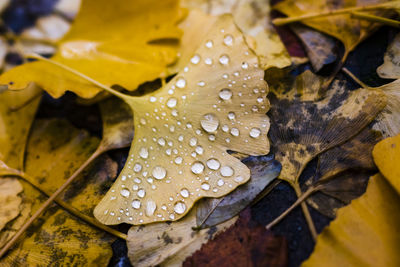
x: 255, y: 132
x: 225, y: 94
x: 143, y: 153
x: 185, y: 193
x: 211, y: 137
x: 209, y: 123
x: 205, y: 186
x: 172, y: 216
x: 231, y: 115
x: 245, y: 65
x: 150, y: 207
x: 220, y: 182
x: 153, y: 99
x: 171, y: 103
x: 228, y: 40
x: 180, y: 82
x: 137, y: 180
x: 235, y: 132
x: 225, y: 128
x: 141, y: 193
x: 197, y: 167
x: 159, y: 172
x: 213, y: 164
x: 174, y: 112
x: 199, y: 150
x: 224, y: 59
x: 161, y: 141
x: 178, y: 160
x: 209, y: 44
x: 125, y: 192
x: 195, y: 59
x: 142, y: 121
x: 193, y: 141
x: 208, y: 61
x: 136, y: 204
x: 180, y: 207
x: 180, y: 138
x: 226, y: 171
x: 238, y: 179
x: 201, y: 83
x: 254, y: 108
x: 123, y: 178
x: 260, y: 99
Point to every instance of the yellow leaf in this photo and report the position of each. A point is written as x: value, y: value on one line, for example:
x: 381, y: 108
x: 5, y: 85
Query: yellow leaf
x: 365, y: 233
x: 9, y: 200
x: 114, y: 42
x: 183, y: 131
x: 387, y: 157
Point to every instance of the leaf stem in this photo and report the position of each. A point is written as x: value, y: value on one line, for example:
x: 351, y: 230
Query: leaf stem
x: 354, y: 78
x: 48, y: 202
x: 284, y: 21
x: 306, y: 213
x: 373, y: 18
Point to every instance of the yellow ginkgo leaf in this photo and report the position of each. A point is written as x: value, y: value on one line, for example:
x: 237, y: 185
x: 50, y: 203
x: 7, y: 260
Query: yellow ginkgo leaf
x: 9, y: 200
x: 111, y: 41
x: 183, y: 131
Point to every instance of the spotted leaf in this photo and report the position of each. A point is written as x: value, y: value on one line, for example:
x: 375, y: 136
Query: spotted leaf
x: 183, y: 131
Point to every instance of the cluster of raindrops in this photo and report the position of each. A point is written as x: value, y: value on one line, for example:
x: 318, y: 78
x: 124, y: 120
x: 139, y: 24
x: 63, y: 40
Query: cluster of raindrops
x: 179, y: 161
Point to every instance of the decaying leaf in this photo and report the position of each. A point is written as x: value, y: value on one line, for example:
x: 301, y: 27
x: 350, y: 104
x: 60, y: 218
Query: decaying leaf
x: 182, y: 132
x: 127, y: 44
x: 169, y: 244
x: 365, y: 233
x: 243, y: 244
x: 10, y: 200
x: 17, y: 111
x: 253, y: 19
x: 319, y: 47
x: 58, y: 237
x: 212, y: 212
x: 390, y: 69
x: 387, y: 157
x: 349, y: 30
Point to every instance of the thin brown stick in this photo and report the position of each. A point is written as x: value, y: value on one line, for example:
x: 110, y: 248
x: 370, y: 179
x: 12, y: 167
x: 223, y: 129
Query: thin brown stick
x: 354, y: 78
x: 283, y: 21
x: 47, y: 203
x: 306, y: 213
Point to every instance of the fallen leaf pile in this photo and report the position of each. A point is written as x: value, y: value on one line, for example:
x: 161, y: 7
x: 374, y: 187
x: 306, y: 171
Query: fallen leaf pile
x: 221, y: 109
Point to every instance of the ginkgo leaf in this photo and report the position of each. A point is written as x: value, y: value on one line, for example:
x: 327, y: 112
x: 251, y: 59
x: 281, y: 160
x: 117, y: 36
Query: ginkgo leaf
x: 183, y: 131
x: 253, y: 19
x: 111, y: 41
x: 390, y: 69
x: 365, y: 233
x: 211, y: 212
x: 169, y: 244
x: 9, y: 200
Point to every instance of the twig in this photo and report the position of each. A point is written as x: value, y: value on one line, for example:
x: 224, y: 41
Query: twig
x: 306, y: 213
x: 283, y: 21
x: 352, y: 76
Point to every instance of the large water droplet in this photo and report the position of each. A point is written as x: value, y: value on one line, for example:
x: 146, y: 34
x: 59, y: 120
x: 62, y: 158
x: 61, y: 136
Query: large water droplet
x: 235, y: 132
x: 224, y: 59
x: 141, y: 193
x: 180, y: 82
x: 209, y: 123
x: 171, y: 103
x: 197, y: 167
x: 213, y: 164
x: 195, y: 59
x: 144, y: 153
x: 150, y: 207
x: 180, y: 207
x: 228, y: 40
x: 255, y: 132
x: 159, y: 172
x: 185, y: 193
x: 225, y: 94
x: 136, y: 204
x: 125, y: 192
x: 226, y: 171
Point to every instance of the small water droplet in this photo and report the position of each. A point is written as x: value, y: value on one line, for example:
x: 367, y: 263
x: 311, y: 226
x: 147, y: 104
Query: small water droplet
x: 260, y: 99
x: 150, y: 207
x: 225, y: 128
x: 180, y: 82
x: 178, y: 160
x: 197, y: 167
x: 209, y: 123
x: 159, y: 172
x: 141, y: 193
x: 199, y: 150
x: 255, y: 132
x: 231, y: 115
x: 174, y: 112
x: 235, y: 132
x: 180, y: 138
x: 137, y: 180
x: 208, y: 61
x: 245, y: 65
x: 238, y: 179
x: 193, y: 141
x: 224, y: 59
x: 211, y: 137
x: 254, y: 108
x: 161, y: 141
x: 180, y: 207
x: 153, y: 99
x: 213, y: 164
x: 201, y: 83
x: 228, y: 40
x: 195, y: 59
x: 171, y: 103
x: 205, y: 186
x: 226, y: 171
x: 185, y: 193
x: 209, y: 44
x: 225, y: 94
x: 220, y: 182
x: 125, y: 192
x: 142, y: 121
x: 144, y: 153
x: 136, y: 204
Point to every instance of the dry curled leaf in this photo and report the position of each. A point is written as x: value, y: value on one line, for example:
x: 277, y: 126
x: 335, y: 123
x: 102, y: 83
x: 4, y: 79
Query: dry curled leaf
x: 120, y: 36
x: 243, y: 244
x: 390, y: 69
x: 183, y: 131
x: 169, y: 244
x: 365, y: 233
x: 213, y: 211
x: 10, y: 200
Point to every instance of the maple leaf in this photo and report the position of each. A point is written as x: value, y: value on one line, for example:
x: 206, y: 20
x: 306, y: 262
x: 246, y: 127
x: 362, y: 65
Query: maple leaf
x: 107, y: 41
x: 182, y: 132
